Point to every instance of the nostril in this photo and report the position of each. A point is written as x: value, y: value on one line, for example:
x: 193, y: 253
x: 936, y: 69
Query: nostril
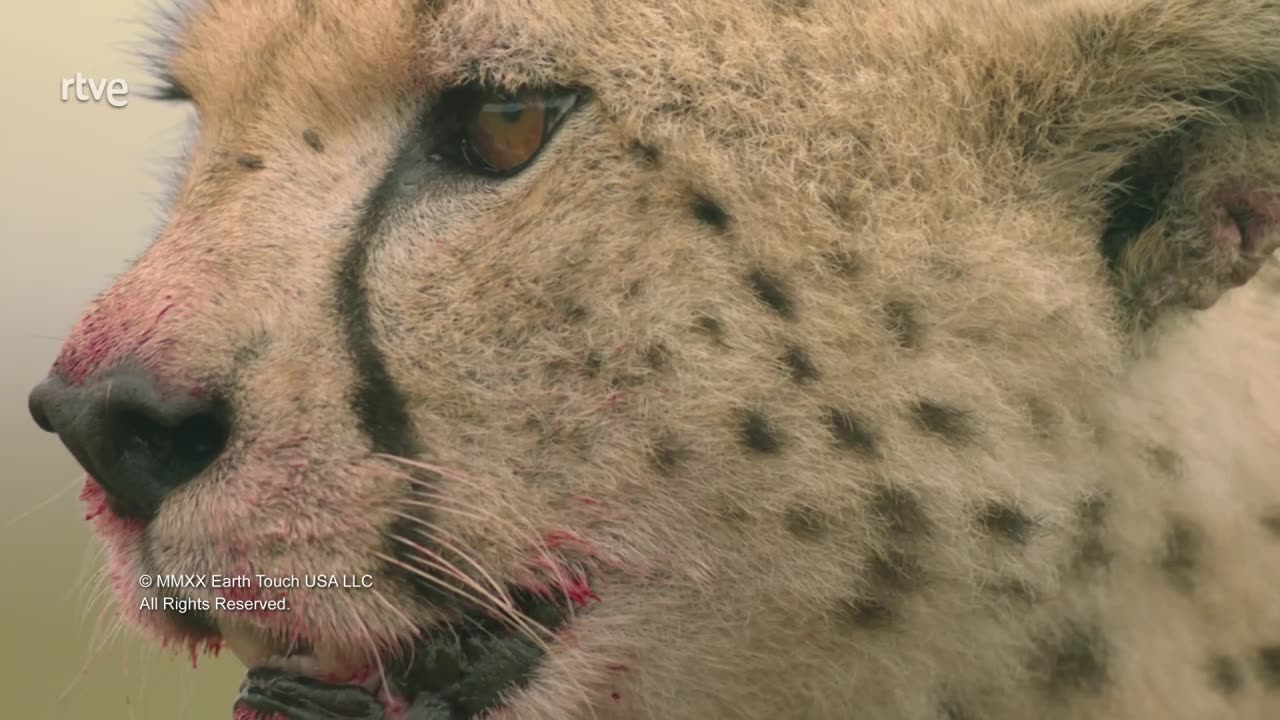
x: 137, y: 440
x: 175, y: 449
x: 203, y: 437
x: 133, y: 433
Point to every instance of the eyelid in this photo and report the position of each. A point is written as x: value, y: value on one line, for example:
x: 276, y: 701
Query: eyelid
x: 562, y: 105
x: 557, y: 106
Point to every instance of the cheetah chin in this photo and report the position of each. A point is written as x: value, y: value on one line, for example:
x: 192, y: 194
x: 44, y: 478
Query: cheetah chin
x: 460, y: 666
x: 456, y: 670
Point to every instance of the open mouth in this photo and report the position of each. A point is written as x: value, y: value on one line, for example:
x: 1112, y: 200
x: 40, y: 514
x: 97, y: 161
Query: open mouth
x: 454, y: 671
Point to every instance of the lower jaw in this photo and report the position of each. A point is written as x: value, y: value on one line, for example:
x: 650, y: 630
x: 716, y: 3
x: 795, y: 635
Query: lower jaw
x: 457, y: 671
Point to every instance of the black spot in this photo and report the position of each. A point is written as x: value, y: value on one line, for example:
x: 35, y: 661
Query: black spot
x: 556, y: 370
x: 1271, y: 521
x: 806, y: 522
x: 865, y: 613
x: 648, y: 154
x: 1072, y: 659
x: 1225, y: 674
x: 896, y: 568
x: 658, y: 356
x: 946, y: 268
x: 900, y: 511
x: 771, y: 292
x: 250, y: 162
x: 668, y: 454
x: 593, y: 364
x: 1092, y: 511
x: 711, y: 327
x: 1183, y: 551
x: 706, y: 210
x: 758, y: 433
x: 1092, y: 554
x: 252, y: 350
x: 852, y: 432
x: 1006, y: 521
x: 951, y: 424
x: 1017, y: 589
x: 843, y: 262
x: 574, y: 312
x: 903, y: 320
x: 307, y: 10
x: 1042, y: 418
x: 1269, y: 666
x: 634, y: 290
x: 953, y: 710
x: 1165, y: 460
x: 624, y: 380
x: 791, y: 7
x: 801, y: 365
x: 840, y: 205
x: 735, y: 514
x: 312, y: 139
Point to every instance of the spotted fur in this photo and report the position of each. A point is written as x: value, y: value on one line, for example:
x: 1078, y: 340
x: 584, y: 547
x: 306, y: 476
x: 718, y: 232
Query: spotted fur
x: 827, y: 343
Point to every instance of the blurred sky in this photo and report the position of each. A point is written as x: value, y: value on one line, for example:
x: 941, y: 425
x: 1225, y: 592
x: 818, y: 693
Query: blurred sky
x: 81, y: 191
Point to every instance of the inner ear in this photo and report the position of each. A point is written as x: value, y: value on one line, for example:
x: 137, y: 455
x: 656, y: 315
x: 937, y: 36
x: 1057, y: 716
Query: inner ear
x: 1160, y: 119
x: 1193, y: 214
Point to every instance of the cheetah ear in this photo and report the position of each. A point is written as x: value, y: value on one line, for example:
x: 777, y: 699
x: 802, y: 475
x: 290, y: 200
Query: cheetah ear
x: 1162, y: 117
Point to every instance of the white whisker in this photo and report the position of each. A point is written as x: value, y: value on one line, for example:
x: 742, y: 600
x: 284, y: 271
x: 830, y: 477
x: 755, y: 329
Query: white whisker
x: 42, y: 504
x: 523, y: 623
x: 440, y: 537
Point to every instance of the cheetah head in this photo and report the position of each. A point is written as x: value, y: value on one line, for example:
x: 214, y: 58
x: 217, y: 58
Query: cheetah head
x: 662, y: 359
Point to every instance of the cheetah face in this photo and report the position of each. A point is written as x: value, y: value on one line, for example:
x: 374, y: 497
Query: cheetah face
x: 566, y: 359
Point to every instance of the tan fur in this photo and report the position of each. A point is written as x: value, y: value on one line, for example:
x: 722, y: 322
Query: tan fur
x: 924, y: 182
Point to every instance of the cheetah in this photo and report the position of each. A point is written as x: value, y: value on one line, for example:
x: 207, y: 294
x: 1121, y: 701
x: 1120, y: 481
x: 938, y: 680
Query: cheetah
x: 811, y: 359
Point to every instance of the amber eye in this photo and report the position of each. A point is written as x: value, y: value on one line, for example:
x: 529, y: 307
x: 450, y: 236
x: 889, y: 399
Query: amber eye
x: 502, y: 133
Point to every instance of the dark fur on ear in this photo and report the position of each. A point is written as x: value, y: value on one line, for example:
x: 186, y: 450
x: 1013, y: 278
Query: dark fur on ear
x: 1160, y: 120
x: 1211, y: 226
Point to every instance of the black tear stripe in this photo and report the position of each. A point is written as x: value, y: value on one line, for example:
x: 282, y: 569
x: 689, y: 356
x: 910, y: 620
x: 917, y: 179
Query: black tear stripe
x: 376, y: 400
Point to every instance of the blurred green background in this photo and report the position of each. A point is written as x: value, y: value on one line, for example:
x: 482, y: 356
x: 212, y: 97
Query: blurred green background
x: 81, y: 190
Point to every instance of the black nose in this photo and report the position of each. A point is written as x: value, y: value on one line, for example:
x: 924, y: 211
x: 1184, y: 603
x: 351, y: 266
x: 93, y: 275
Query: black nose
x: 138, y: 442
